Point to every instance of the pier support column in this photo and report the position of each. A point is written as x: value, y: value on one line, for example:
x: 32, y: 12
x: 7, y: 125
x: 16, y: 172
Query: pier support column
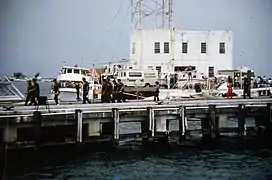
x: 182, y: 116
x: 79, y: 120
x: 268, y: 122
x: 37, y: 118
x: 116, y: 122
x: 213, y: 122
x: 10, y: 132
x: 151, y: 122
x: 148, y: 126
x: 241, y: 119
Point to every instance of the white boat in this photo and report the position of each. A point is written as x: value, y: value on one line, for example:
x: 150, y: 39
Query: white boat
x: 8, y: 92
x: 71, y: 75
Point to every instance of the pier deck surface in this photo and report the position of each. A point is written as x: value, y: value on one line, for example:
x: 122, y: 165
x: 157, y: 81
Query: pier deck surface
x: 129, y: 106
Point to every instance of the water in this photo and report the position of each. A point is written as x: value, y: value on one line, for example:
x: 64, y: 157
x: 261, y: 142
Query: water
x: 229, y: 162
x: 133, y: 164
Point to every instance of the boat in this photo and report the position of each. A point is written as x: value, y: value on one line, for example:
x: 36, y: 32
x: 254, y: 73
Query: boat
x: 69, y: 76
x: 8, y: 92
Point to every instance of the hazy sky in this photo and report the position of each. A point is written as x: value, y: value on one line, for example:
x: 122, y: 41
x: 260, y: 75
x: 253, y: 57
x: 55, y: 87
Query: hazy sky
x: 38, y: 35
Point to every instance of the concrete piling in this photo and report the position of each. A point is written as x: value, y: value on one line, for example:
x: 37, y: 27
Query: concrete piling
x: 79, y: 122
x: 241, y: 119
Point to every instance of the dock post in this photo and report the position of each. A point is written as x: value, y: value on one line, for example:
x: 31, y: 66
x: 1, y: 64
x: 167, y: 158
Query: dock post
x: 182, y: 116
x: 268, y: 121
x: 79, y: 120
x: 37, y: 118
x: 213, y: 122
x: 148, y: 126
x: 151, y: 122
x: 269, y: 115
x: 241, y: 119
x: 116, y: 122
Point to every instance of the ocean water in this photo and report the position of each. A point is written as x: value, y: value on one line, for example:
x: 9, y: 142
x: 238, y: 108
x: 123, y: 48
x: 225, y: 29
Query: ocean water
x: 188, y: 163
x: 231, y: 160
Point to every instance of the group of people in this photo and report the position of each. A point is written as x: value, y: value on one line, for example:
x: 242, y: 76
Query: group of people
x: 56, y: 91
x: 33, y: 92
x: 246, y: 87
x: 112, y: 91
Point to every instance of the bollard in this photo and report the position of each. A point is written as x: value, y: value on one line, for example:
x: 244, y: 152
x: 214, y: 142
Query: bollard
x: 79, y: 120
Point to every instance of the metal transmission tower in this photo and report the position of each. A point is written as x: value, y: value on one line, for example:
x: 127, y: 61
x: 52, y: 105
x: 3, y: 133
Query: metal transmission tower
x: 159, y: 10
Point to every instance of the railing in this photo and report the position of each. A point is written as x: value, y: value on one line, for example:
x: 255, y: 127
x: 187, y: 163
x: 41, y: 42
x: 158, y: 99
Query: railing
x: 6, y: 83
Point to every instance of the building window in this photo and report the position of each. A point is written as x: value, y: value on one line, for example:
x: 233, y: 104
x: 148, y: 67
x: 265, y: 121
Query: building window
x: 157, y: 48
x: 222, y: 48
x: 203, y: 48
x: 211, y: 71
x: 184, y: 47
x: 166, y: 47
x: 133, y: 48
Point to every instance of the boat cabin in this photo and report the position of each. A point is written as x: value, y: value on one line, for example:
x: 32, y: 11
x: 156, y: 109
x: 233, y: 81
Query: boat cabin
x: 74, y: 70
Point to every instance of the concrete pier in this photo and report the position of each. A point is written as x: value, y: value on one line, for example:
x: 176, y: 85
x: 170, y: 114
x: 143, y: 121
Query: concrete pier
x: 23, y: 127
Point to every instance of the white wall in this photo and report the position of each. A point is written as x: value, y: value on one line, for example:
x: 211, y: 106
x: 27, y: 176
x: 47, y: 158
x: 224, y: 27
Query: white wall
x: 144, y: 40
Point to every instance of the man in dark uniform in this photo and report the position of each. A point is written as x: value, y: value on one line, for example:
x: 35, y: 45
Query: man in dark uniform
x: 157, y: 91
x: 104, y: 97
x: 114, y: 93
x: 120, y: 91
x: 37, y: 90
x: 55, y: 89
x: 85, y: 91
x: 77, y: 90
x: 110, y: 90
x: 30, y: 95
x: 246, y: 85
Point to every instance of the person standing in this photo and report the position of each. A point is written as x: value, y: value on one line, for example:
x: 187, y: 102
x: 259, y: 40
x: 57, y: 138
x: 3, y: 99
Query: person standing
x: 120, y: 91
x: 55, y: 89
x: 86, y: 89
x: 157, y: 91
x: 246, y: 85
x: 37, y: 90
x: 114, y: 96
x: 30, y: 95
x: 230, y: 86
x: 189, y: 70
x: 77, y: 90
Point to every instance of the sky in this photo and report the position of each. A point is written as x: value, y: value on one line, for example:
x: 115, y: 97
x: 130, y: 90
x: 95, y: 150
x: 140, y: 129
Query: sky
x: 40, y: 35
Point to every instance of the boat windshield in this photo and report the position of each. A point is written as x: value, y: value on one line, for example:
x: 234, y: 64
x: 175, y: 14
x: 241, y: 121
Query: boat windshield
x: 135, y: 74
x: 69, y: 84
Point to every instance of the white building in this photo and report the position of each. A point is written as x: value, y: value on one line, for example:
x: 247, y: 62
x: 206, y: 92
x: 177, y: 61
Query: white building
x: 166, y: 50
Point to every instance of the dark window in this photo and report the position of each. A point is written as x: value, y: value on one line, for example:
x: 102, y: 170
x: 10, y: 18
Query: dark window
x: 222, y: 48
x: 135, y: 74
x: 158, y: 68
x: 184, y: 47
x: 157, y: 48
x: 76, y: 71
x: 69, y: 70
x: 203, y: 48
x: 211, y: 71
x: 166, y: 47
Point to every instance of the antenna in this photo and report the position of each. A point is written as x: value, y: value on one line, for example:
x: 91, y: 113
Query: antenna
x: 142, y: 10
